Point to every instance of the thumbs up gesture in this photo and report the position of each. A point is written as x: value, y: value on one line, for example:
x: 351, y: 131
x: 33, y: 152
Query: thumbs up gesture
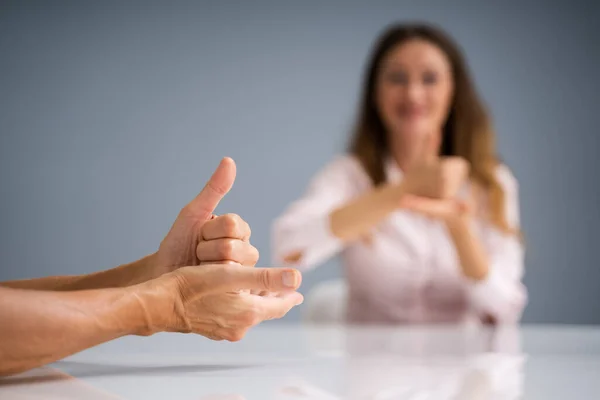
x: 431, y: 183
x: 198, y: 236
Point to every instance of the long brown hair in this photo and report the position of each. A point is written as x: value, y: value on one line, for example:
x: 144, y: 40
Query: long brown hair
x: 467, y: 132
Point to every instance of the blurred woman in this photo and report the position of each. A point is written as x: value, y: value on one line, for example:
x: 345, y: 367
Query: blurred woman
x: 425, y: 216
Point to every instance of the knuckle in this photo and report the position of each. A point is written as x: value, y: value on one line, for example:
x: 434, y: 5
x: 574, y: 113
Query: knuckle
x: 231, y: 223
x: 223, y: 274
x: 218, y: 189
x: 185, y: 211
x: 227, y: 271
x: 254, y: 254
x: 226, y: 248
x: 200, y: 249
x: 265, y: 279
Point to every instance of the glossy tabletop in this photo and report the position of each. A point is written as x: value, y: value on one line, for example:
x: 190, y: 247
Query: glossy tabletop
x: 277, y: 361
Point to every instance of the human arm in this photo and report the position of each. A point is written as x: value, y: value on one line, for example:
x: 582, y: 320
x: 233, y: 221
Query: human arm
x: 498, y: 296
x: 340, y: 205
x: 121, y: 276
x: 39, y: 327
x: 491, y: 260
x: 196, y: 237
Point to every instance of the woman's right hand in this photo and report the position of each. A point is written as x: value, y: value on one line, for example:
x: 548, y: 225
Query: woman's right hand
x: 432, y: 176
x: 214, y: 300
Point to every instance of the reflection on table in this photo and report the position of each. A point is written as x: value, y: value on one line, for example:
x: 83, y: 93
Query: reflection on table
x: 293, y: 363
x: 421, y: 363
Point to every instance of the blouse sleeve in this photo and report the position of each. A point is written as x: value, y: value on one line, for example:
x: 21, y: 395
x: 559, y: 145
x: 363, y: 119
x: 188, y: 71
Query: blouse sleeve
x: 301, y: 236
x: 502, y: 295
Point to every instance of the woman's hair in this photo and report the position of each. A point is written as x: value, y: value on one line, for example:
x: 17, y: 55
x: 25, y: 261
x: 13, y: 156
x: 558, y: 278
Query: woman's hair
x: 467, y: 132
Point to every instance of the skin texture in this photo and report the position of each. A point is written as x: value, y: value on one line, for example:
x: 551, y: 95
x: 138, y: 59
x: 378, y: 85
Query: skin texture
x: 199, y: 281
x: 40, y: 327
x: 414, y: 94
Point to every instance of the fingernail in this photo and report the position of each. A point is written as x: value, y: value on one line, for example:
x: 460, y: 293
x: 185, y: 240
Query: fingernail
x: 290, y: 279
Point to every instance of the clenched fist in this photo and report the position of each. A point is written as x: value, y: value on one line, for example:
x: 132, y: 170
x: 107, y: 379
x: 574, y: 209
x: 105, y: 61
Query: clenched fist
x: 198, y: 236
x: 432, y: 183
x: 433, y: 176
x: 226, y: 239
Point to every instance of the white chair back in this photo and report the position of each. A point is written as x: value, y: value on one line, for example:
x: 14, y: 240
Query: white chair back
x: 326, y: 303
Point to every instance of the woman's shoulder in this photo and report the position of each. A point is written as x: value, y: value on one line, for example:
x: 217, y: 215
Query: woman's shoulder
x: 344, y: 164
x: 340, y: 170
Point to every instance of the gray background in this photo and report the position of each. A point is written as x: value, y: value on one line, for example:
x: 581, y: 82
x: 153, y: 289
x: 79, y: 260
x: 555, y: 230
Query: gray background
x: 114, y: 114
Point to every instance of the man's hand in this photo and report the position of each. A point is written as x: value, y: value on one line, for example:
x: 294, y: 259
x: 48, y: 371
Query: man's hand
x: 226, y: 239
x: 198, y: 236
x: 215, y: 300
x: 40, y: 327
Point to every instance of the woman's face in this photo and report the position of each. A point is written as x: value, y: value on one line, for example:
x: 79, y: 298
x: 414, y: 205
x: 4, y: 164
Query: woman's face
x: 414, y: 90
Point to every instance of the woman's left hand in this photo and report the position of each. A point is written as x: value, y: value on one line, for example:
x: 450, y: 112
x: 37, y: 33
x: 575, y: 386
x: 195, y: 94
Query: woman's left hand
x: 443, y: 209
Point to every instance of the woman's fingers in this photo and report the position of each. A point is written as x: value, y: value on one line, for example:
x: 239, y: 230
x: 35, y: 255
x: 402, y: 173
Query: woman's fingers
x: 433, y: 208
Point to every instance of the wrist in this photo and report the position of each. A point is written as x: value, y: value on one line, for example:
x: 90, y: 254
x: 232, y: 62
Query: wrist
x: 394, y: 194
x: 154, y: 266
x: 152, y: 306
x: 459, y: 224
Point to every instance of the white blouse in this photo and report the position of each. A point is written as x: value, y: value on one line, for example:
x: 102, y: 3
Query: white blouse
x: 408, y: 271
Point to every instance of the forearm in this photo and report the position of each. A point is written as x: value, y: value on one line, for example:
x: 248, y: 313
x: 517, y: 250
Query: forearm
x: 39, y: 327
x: 355, y: 219
x: 471, y: 252
x: 124, y: 275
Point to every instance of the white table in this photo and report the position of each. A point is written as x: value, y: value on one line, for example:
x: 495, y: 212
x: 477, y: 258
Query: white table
x: 324, y: 363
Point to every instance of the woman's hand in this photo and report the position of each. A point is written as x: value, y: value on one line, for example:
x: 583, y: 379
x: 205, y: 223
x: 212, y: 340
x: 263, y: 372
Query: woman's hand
x: 431, y: 184
x: 447, y: 210
x: 214, y: 301
x: 432, y: 176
